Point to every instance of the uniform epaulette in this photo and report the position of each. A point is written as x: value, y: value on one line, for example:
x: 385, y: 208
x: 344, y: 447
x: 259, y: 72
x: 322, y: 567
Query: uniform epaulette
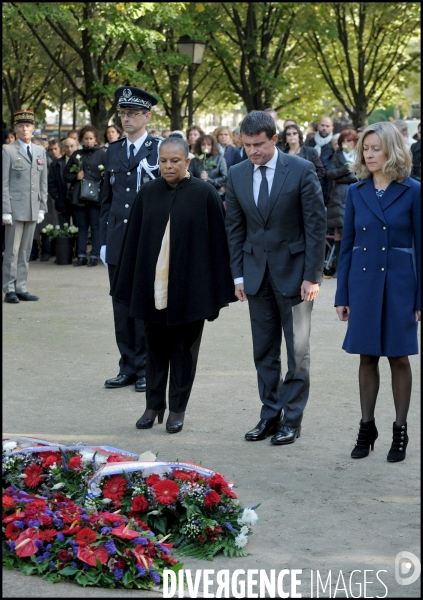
x: 157, y: 138
x: 116, y: 141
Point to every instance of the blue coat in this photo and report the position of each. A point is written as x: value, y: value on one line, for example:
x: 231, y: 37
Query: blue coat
x: 379, y: 268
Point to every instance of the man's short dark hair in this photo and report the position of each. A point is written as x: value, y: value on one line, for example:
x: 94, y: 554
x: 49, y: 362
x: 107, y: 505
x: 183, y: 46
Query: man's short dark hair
x: 256, y: 122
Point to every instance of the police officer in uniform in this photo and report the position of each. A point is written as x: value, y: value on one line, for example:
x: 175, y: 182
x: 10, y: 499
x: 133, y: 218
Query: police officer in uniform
x: 24, y: 204
x: 130, y: 162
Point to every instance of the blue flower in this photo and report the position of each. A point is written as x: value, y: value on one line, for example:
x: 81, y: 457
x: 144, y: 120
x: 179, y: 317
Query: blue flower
x: 116, y: 524
x: 86, y: 517
x: 71, y: 542
x: 118, y: 573
x: 33, y: 523
x: 74, y: 565
x: 141, y: 571
x: 40, y: 559
x: 155, y: 576
x: 48, y: 547
x: 110, y: 545
x: 138, y: 541
x: 229, y: 526
x: 12, y: 545
x: 58, y: 522
x: 60, y: 537
x: 163, y: 549
x: 51, y: 565
x: 106, y: 530
x: 19, y: 524
x: 39, y: 544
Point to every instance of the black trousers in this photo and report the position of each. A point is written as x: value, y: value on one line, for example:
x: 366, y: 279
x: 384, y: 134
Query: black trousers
x: 272, y: 313
x: 130, y: 337
x: 174, y: 348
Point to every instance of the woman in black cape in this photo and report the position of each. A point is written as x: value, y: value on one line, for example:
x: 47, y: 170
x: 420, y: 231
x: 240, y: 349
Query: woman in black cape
x: 173, y: 273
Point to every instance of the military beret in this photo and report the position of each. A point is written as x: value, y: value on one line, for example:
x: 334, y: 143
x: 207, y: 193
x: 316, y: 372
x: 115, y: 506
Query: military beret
x: 133, y: 97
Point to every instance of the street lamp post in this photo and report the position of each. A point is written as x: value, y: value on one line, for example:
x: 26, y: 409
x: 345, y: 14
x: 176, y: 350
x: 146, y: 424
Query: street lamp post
x: 195, y: 51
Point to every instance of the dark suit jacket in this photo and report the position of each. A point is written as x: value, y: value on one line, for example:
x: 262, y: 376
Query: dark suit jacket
x: 292, y: 238
x: 57, y: 186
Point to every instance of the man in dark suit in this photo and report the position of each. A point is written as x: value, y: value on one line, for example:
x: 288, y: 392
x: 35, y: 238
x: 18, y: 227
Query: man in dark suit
x: 276, y: 226
x: 130, y: 162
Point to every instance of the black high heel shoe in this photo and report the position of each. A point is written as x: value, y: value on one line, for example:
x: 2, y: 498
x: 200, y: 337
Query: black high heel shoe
x: 175, y: 426
x: 148, y: 423
x: 367, y: 435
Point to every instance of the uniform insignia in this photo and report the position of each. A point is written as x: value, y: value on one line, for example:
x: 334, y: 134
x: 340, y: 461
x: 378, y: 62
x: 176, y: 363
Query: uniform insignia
x: 148, y: 143
x: 126, y: 93
x: 18, y: 160
x: 40, y: 161
x: 112, y: 178
x: 123, y: 143
x: 145, y: 179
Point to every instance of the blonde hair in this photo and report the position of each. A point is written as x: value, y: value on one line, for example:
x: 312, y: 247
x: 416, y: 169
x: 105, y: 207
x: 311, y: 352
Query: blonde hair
x: 219, y: 130
x: 398, y: 165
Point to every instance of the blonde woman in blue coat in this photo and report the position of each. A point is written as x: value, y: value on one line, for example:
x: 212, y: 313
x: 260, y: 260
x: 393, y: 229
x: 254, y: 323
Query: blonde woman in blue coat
x: 378, y: 289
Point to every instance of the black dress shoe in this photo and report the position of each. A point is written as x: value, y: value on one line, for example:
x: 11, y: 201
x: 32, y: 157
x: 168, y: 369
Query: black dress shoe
x: 81, y: 262
x: 45, y: 257
x: 262, y: 430
x: 26, y: 296
x: 140, y: 384
x: 92, y: 262
x: 286, y: 435
x: 12, y: 298
x: 143, y: 423
x: 120, y: 381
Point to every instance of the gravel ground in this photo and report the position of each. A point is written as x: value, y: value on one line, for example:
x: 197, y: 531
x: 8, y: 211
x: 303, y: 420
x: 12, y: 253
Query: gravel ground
x: 320, y: 510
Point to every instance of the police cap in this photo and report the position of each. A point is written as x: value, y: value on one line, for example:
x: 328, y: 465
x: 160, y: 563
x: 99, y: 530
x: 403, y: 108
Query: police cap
x: 133, y: 97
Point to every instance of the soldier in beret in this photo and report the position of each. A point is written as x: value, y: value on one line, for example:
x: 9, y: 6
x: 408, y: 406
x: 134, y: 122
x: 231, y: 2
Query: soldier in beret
x: 130, y: 162
x: 24, y: 204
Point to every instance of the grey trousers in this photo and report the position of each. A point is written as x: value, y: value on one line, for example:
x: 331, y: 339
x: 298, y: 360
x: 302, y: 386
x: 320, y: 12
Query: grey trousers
x: 271, y: 313
x: 18, y: 243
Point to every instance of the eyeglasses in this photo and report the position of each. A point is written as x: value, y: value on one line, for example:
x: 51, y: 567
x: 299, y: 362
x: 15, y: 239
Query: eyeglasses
x: 130, y: 115
x: 292, y: 133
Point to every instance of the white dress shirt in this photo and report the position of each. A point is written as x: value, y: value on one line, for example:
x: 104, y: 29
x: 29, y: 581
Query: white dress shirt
x: 270, y: 174
x: 25, y: 146
x: 138, y: 143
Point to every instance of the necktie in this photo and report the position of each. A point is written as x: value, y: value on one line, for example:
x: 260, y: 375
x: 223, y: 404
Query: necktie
x: 28, y: 151
x: 132, y: 155
x: 263, y: 197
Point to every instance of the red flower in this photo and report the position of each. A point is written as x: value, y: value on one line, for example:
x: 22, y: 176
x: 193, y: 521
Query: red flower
x: 166, y: 491
x: 115, y: 488
x: 111, y: 518
x: 45, y: 520
x: 25, y: 543
x: 115, y: 458
x: 182, y: 475
x: 120, y: 563
x: 216, y: 482
x: 89, y: 554
x: 202, y: 538
x: 75, y: 463
x: 211, y: 499
x: 14, y: 517
x: 140, y: 503
x: 142, y: 559
x: 69, y: 530
x: 7, y: 502
x: 64, y: 556
x: 47, y: 535
x: 85, y: 536
x: 33, y: 476
x: 150, y: 481
x: 49, y: 458
x: 124, y: 532
x: 12, y: 532
x: 226, y: 490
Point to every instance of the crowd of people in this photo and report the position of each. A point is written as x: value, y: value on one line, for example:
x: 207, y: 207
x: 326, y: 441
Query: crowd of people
x: 242, y: 214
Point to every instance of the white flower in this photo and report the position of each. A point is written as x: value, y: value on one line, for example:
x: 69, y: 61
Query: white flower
x: 241, y: 540
x: 153, y: 512
x: 78, y: 156
x: 53, y: 466
x: 105, y: 501
x: 65, y: 224
x: 23, y: 476
x: 58, y: 486
x: 44, y: 230
x: 9, y: 446
x: 57, y: 226
x: 148, y: 456
x: 94, y: 490
x: 249, y: 517
x: 49, y: 227
x: 244, y: 529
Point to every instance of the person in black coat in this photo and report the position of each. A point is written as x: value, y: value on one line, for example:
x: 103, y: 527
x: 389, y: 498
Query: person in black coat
x: 173, y: 273
x: 292, y: 142
x: 130, y: 163
x: 58, y: 188
x: 322, y: 142
x: 87, y: 163
x: 208, y: 164
x: 340, y: 175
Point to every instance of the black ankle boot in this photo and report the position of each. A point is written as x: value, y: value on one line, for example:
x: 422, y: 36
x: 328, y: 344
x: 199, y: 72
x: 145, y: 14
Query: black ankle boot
x: 399, y: 443
x: 367, y: 435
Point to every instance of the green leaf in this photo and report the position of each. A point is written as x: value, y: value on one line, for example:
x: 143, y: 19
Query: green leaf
x: 81, y: 579
x: 68, y: 571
